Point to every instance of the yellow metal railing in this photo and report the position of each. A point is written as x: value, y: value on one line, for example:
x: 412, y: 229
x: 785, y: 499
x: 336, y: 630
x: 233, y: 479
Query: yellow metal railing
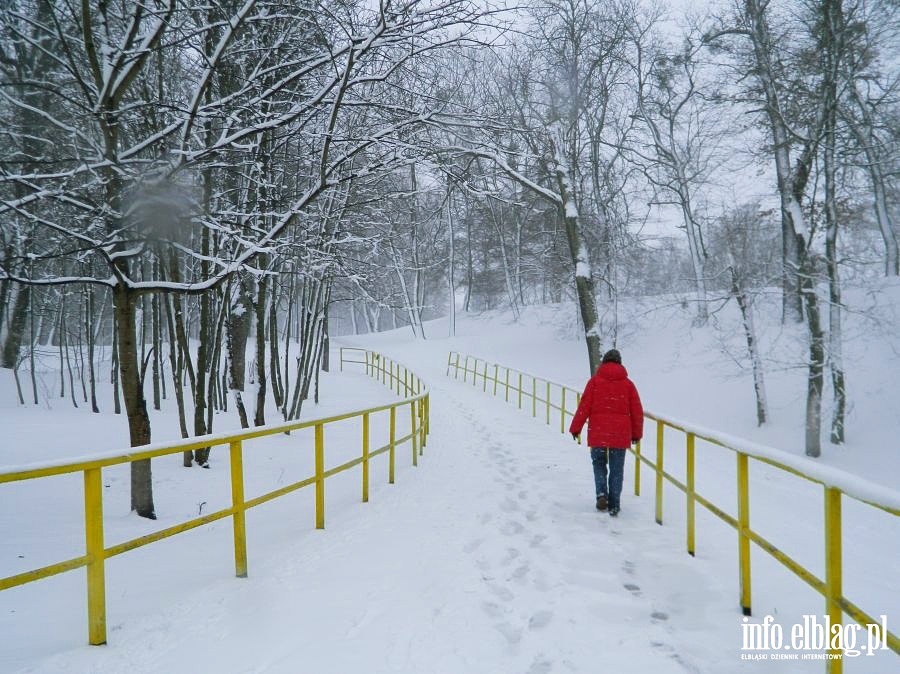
x: 506, y: 381
x: 401, y: 380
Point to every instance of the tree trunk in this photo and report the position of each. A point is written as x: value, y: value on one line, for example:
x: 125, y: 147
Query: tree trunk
x: 759, y: 387
x: 833, y: 28
x: 237, y: 332
x: 451, y: 281
x: 262, y: 300
x: 792, y: 221
x: 866, y: 139
x: 584, y: 282
x: 133, y: 397
x: 815, y: 376
x: 16, y: 327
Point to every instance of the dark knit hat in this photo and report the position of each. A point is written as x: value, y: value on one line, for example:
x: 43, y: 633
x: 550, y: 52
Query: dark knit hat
x: 612, y: 356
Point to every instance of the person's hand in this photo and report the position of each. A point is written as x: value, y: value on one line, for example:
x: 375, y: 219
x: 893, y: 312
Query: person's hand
x: 575, y: 436
x: 634, y: 441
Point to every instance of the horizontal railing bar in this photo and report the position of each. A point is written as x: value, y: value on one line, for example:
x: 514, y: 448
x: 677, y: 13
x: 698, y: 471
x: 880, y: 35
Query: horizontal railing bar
x: 718, y: 512
x: 380, y: 451
x: 863, y: 618
x: 342, y: 467
x: 281, y: 491
x: 28, y: 473
x: 668, y: 476
x: 43, y: 572
x: 702, y: 434
x: 119, y: 548
x: 787, y: 561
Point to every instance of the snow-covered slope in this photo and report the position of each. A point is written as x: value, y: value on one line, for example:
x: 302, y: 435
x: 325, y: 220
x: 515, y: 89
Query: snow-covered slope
x: 488, y: 557
x: 702, y: 375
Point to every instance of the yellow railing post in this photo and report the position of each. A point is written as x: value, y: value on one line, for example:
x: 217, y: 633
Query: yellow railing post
x: 365, y: 457
x: 743, y: 485
x: 562, y: 412
x: 342, y: 358
x: 533, y: 397
x: 577, y: 403
x: 637, y: 468
x: 496, y: 370
x: 320, y: 476
x: 456, y: 368
x: 520, y: 390
x: 237, y: 503
x: 420, y: 406
x: 507, y: 384
x: 421, y: 425
x: 548, y: 403
x: 449, y: 358
x: 415, y: 448
x: 475, y: 372
x: 660, y: 433
x: 690, y: 494
x: 833, y: 568
x: 484, y: 389
x: 392, y: 444
x: 96, y: 571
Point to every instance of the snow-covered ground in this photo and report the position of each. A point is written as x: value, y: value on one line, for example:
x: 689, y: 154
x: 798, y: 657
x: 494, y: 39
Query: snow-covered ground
x: 487, y: 557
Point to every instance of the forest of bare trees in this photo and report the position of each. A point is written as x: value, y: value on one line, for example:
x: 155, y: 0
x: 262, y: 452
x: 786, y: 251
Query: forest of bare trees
x: 193, y: 194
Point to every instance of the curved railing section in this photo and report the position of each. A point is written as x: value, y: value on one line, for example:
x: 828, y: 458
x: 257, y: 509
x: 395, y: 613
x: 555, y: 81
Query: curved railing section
x: 560, y: 402
x: 395, y: 375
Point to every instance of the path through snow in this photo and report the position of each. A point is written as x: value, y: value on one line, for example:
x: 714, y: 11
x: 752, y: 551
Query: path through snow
x: 488, y: 557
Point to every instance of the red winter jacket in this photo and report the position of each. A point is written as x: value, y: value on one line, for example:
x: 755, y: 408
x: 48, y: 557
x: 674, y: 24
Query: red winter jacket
x: 611, y: 406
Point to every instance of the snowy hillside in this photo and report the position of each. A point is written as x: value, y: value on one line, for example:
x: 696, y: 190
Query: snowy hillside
x: 489, y: 556
x: 702, y: 375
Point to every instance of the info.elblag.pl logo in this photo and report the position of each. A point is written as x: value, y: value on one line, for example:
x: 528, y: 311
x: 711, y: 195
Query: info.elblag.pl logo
x: 814, y: 638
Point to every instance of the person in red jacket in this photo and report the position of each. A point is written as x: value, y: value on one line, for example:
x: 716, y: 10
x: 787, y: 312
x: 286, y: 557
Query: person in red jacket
x: 612, y: 407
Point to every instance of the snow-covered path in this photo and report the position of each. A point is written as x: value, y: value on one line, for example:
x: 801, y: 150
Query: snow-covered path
x: 487, y: 557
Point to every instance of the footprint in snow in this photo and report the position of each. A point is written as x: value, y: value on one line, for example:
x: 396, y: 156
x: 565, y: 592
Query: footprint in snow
x: 510, y: 556
x: 537, y: 540
x: 520, y: 573
x: 493, y: 610
x: 472, y: 546
x: 634, y: 589
x: 540, y: 620
x: 513, y: 635
x: 503, y: 593
x: 540, y: 666
x: 511, y: 528
x: 509, y: 506
x: 659, y: 616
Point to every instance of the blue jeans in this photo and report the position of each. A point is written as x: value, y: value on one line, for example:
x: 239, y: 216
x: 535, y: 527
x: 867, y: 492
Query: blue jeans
x: 616, y: 460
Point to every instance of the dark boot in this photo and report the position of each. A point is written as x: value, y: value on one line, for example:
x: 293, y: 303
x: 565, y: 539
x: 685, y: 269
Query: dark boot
x: 601, y: 502
x: 614, y: 511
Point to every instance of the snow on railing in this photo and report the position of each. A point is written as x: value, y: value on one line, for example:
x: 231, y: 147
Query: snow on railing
x: 507, y: 381
x: 414, y: 396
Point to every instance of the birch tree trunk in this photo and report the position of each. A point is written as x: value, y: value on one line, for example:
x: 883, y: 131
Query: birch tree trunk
x: 584, y: 282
